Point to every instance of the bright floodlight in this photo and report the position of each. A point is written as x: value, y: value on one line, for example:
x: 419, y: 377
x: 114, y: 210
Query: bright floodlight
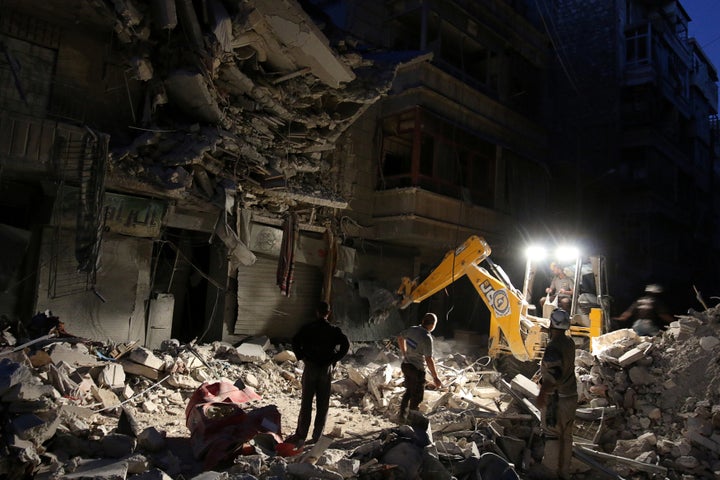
x: 566, y: 253
x: 535, y: 253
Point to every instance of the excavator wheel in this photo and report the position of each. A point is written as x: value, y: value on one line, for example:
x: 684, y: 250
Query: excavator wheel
x: 509, y: 367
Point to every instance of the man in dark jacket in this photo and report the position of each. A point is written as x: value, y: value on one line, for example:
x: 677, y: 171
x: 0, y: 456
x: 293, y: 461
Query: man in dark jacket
x: 319, y: 345
x: 558, y: 397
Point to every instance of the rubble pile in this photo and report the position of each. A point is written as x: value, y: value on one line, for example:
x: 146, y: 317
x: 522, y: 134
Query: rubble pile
x: 660, y: 396
x: 73, y: 408
x: 79, y: 409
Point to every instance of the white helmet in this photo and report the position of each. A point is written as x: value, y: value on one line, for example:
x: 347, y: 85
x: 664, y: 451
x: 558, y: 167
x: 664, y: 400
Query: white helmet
x: 559, y: 319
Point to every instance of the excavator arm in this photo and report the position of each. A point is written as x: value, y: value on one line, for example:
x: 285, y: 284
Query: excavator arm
x: 511, y: 329
x: 453, y: 266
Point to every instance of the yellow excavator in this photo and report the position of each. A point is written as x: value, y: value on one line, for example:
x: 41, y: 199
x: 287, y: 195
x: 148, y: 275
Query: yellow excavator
x: 513, y: 330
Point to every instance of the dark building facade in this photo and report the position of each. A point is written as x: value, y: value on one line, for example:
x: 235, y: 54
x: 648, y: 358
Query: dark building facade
x: 635, y: 140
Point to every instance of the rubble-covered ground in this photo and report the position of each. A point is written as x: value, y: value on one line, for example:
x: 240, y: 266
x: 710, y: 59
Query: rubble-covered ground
x: 75, y: 408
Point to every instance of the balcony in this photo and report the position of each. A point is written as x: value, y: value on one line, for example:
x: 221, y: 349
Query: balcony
x: 704, y: 77
x: 639, y: 74
x: 38, y: 147
x: 415, y: 216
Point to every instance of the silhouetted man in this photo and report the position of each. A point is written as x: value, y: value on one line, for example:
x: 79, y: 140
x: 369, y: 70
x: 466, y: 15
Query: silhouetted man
x: 319, y: 345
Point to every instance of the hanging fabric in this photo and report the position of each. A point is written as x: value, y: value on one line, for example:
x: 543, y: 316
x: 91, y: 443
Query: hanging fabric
x: 286, y: 262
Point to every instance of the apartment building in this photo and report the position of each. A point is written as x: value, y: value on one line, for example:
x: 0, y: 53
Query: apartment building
x: 636, y: 136
x: 457, y: 147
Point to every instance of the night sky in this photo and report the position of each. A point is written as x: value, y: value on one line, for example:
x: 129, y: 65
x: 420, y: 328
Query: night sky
x: 705, y: 26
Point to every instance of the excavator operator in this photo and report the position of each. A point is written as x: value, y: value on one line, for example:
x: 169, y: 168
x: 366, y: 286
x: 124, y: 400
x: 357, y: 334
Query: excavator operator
x: 560, y: 289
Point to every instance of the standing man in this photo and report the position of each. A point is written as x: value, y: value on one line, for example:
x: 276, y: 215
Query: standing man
x: 557, y: 399
x: 416, y: 347
x: 319, y: 345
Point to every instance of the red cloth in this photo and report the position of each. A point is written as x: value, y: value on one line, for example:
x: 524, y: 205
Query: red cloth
x: 219, y: 427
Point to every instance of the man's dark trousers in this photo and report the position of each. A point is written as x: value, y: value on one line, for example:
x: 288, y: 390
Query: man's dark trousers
x: 414, y: 387
x: 316, y: 380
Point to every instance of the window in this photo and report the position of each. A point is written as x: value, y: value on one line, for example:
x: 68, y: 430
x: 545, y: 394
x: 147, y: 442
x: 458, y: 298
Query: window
x: 420, y: 149
x: 637, y: 44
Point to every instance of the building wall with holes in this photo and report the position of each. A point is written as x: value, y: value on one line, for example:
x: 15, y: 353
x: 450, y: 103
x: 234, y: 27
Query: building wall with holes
x: 110, y: 306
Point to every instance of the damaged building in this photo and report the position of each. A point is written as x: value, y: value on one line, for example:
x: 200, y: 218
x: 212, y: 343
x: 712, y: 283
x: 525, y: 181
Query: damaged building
x: 187, y: 170
x: 210, y: 170
x: 148, y: 149
x: 182, y: 181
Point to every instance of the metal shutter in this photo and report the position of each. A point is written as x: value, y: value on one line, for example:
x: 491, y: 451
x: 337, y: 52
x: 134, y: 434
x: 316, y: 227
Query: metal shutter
x: 263, y: 310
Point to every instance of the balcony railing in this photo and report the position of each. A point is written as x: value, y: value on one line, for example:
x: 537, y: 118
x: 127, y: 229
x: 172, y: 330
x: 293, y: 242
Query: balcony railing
x: 418, y: 216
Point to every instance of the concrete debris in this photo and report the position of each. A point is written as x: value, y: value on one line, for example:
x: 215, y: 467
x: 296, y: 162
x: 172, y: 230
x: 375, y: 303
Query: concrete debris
x: 273, y: 92
x: 648, y: 406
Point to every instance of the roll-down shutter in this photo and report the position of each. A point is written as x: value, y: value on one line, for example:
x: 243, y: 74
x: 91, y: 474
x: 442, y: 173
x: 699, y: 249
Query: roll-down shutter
x: 263, y: 310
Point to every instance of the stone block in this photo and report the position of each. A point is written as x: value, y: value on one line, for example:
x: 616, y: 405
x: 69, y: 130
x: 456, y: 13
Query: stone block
x: 697, y: 439
x: 152, y: 439
x: 524, y: 386
x: 709, y: 343
x: 261, y: 340
x: 632, y: 355
x: 345, y: 387
x: 624, y: 336
x: 641, y: 376
x: 74, y: 355
x: 308, y: 471
x: 12, y: 373
x: 102, y: 469
x: 117, y: 445
x: 146, y: 357
x: 285, y: 356
x: 112, y: 376
x: 356, y: 376
x: 106, y: 397
x: 134, y: 368
x: 251, y: 353
x: 36, y: 428
x: 154, y: 474
x: 29, y: 392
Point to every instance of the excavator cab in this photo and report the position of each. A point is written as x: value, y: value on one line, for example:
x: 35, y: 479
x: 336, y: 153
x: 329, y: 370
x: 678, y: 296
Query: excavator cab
x: 589, y: 304
x: 516, y: 333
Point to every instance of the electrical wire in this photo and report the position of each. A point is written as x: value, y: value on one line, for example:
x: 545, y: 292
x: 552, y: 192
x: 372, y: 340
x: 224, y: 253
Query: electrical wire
x: 557, y: 50
x: 212, y: 315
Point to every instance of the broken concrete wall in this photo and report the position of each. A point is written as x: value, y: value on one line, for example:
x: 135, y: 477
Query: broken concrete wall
x: 67, y: 69
x: 275, y: 95
x: 14, y: 245
x: 115, y: 308
x: 359, y: 308
x: 360, y: 163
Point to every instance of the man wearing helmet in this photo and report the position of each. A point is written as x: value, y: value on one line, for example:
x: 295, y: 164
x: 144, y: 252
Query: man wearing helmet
x: 557, y: 398
x: 649, y: 313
